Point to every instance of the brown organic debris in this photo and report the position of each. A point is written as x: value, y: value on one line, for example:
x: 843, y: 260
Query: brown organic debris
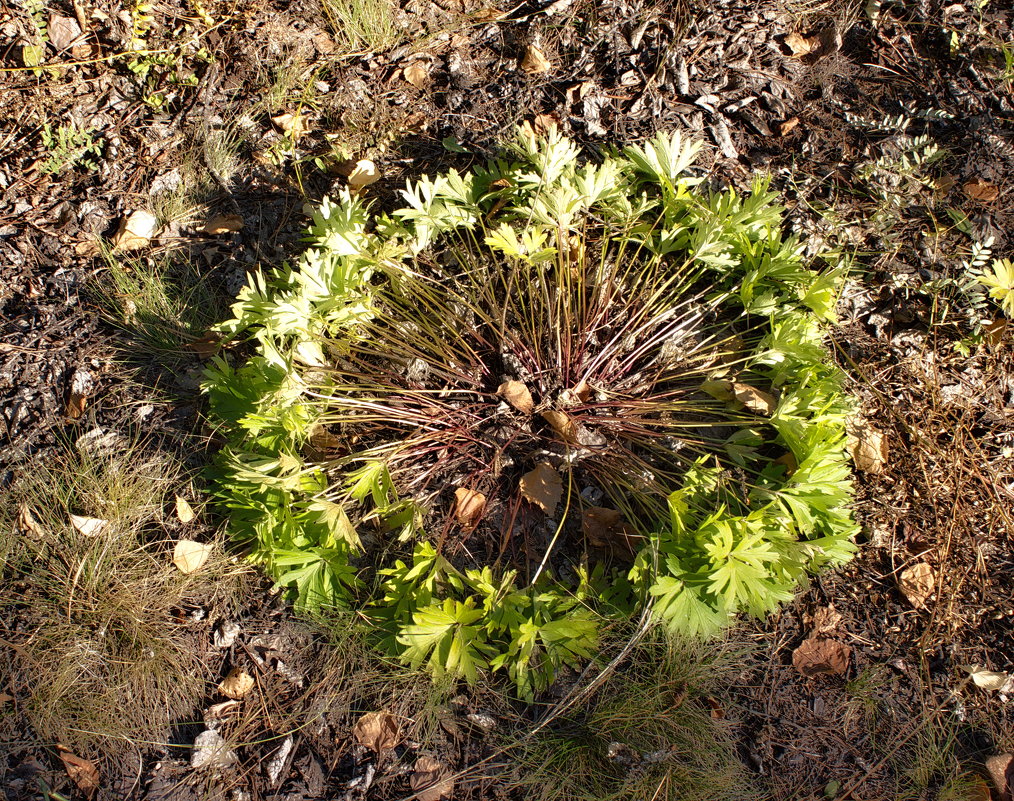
x: 378, y: 731
x: 754, y: 399
x: 517, y: 394
x: 788, y: 126
x: 815, y: 47
x: 206, y: 345
x: 292, y: 125
x: 543, y: 487
x: 237, y: 684
x: 535, y: 62
x: 918, y: 583
x: 190, y: 556
x: 28, y: 523
x: 82, y: 772
x: 223, y: 224
x: 431, y: 780
x: 468, y: 507
x: 605, y: 528
x: 819, y: 656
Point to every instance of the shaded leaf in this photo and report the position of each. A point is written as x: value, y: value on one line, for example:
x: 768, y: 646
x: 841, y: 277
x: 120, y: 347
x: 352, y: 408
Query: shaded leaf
x: 468, y: 506
x: 89, y: 526
x: 223, y: 224
x: 82, y: 772
x: 190, y: 556
x: 756, y: 400
x: 377, y: 731
x: 543, y: 487
x: 237, y: 684
x: 535, y: 61
x: 821, y: 656
x: 604, y: 527
x: 431, y: 780
x: 517, y: 394
x: 207, y: 345
x: 184, y: 512
x: 918, y: 583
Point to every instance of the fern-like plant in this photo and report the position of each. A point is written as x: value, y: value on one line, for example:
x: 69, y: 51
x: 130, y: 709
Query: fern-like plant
x: 576, y: 388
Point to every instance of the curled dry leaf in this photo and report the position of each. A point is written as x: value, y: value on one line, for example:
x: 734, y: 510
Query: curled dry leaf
x: 81, y: 387
x: 190, y: 556
x: 223, y: 224
x: 82, y: 772
x: 563, y: 425
x: 517, y: 394
x: 237, y: 684
x: 756, y: 400
x: 823, y: 621
x: 468, y: 507
x: 29, y: 524
x: 787, y: 127
x: 417, y: 74
x: 431, y: 780
x: 535, y: 62
x: 821, y: 656
x: 363, y: 174
x: 543, y: 487
x: 814, y: 47
x: 88, y: 526
x: 918, y: 583
x: 135, y: 231
x: 377, y: 731
x: 1001, y: 770
x: 982, y: 191
x: 991, y: 680
x: 184, y: 512
x: 292, y: 125
x: 867, y: 446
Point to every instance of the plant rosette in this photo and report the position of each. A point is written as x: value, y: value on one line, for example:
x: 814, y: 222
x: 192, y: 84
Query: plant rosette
x: 540, y: 396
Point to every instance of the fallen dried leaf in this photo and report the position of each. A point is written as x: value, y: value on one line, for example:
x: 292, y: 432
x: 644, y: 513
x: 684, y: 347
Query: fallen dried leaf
x: 815, y: 47
x: 517, y: 395
x: 190, y: 556
x: 88, y: 526
x: 1001, y: 770
x: 543, y: 487
x: 867, y: 446
x: 184, y: 511
x: 821, y: 656
x: 237, y: 684
x: 431, y: 780
x: 799, y: 45
x: 28, y: 523
x: 206, y: 345
x: 982, y: 191
x: 377, y: 731
x: 76, y: 405
x: 544, y: 124
x: 363, y: 174
x: 535, y: 61
x: 135, y: 231
x: 918, y: 583
x: 787, y: 127
x: 223, y: 224
x: 468, y: 507
x: 756, y: 400
x: 63, y: 32
x: 417, y: 74
x: 82, y: 772
x: 563, y: 425
x: 81, y: 387
x: 991, y: 680
x: 292, y: 125
x: 604, y: 528
x: 788, y: 461
x: 823, y: 621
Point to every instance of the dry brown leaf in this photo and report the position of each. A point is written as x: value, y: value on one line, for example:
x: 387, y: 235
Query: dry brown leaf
x: 190, y: 556
x: 363, y: 174
x: 28, y: 522
x: 544, y: 124
x: 135, y: 231
x: 517, y: 394
x: 823, y: 621
x: 918, y: 583
x: 991, y: 680
x: 431, y: 780
x: 88, y: 526
x: 543, y: 487
x: 82, y: 772
x: 223, y: 224
x: 814, y: 47
x: 756, y: 400
x: 787, y: 127
x: 76, y: 405
x: 292, y: 125
x: 821, y: 656
x: 417, y: 74
x: 579, y: 91
x: 535, y: 61
x: 605, y: 528
x: 63, y: 32
x: 206, y: 345
x: 798, y: 44
x: 982, y: 191
x: 237, y: 684
x: 377, y: 731
x: 563, y: 425
x: 1001, y: 770
x: 184, y: 511
x: 867, y: 446
x: 788, y: 461
x: 468, y: 507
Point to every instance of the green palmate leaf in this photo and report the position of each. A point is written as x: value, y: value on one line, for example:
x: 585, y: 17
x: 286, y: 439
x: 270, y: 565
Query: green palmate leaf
x: 446, y: 638
x: 334, y: 517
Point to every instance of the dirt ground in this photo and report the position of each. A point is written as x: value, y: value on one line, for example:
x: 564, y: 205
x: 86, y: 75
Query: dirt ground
x: 888, y: 129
